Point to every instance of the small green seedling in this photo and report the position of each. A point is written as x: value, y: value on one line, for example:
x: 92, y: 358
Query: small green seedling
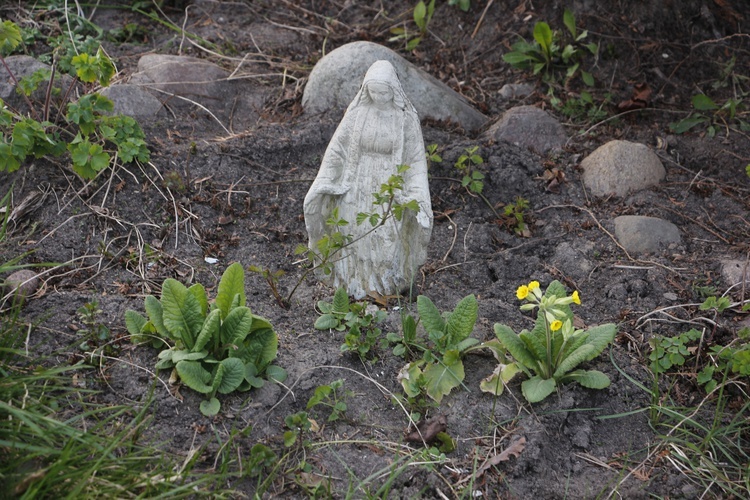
x: 670, y: 352
x: 331, y: 396
x: 712, y: 116
x: 513, y: 217
x: 466, y: 163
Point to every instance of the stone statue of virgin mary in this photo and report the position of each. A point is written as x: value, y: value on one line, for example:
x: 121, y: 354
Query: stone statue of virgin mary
x: 379, y: 132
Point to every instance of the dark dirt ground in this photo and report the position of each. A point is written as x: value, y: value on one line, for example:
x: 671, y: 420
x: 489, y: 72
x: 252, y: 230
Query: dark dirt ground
x: 239, y: 198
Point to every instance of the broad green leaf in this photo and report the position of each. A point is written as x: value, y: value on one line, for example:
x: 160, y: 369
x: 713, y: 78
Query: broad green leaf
x: 702, y: 102
x: 535, y: 345
x: 260, y: 348
x: 340, y: 301
x: 182, y: 312
x: 200, y: 294
x: 251, y: 378
x: 134, y: 322
x: 232, y: 283
x: 210, y: 330
x: 194, y: 376
x: 444, y: 375
x: 587, y: 78
x: 155, y: 314
x: 569, y: 21
x: 211, y: 407
x: 236, y: 326
x: 326, y: 322
x: 536, y: 388
x: 515, y: 346
x: 543, y: 36
x: 462, y: 320
x: 592, y: 379
x: 233, y: 373
x: 420, y: 14
x: 574, y: 359
x: 518, y: 59
x: 276, y: 373
x: 321, y: 393
x: 409, y: 376
x: 686, y: 124
x: 180, y: 355
x: 429, y: 315
x: 600, y: 337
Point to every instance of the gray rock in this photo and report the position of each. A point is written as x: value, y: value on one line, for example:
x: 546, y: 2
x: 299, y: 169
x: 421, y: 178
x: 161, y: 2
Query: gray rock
x: 336, y: 78
x: 22, y: 66
x: 22, y: 283
x: 187, y: 84
x: 734, y: 272
x: 529, y: 127
x: 515, y: 90
x: 640, y: 234
x: 620, y: 167
x: 133, y: 100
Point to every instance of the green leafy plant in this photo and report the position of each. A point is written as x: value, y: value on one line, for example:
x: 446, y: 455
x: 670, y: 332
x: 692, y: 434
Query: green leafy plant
x: 550, y: 353
x: 549, y: 52
x: 581, y: 108
x: 725, y: 360
x: 669, y: 352
x: 353, y: 317
x: 712, y: 116
x: 432, y: 154
x: 87, y: 131
x: 441, y: 368
x: 331, y: 396
x: 93, y: 332
x: 471, y: 179
x: 218, y: 348
x: 513, y: 217
x: 297, y: 424
x: 422, y: 15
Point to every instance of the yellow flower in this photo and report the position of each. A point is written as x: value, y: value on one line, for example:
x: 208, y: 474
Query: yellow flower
x: 533, y: 286
x: 556, y: 325
x: 576, y: 298
x: 522, y: 292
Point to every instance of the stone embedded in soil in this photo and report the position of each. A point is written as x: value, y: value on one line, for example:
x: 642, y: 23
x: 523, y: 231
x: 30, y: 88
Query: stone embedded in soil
x: 24, y: 282
x: 640, y: 234
x: 734, y: 272
x: 529, y: 127
x: 185, y: 84
x: 620, y: 167
x: 336, y: 78
x: 515, y: 90
x: 22, y: 66
x: 132, y: 100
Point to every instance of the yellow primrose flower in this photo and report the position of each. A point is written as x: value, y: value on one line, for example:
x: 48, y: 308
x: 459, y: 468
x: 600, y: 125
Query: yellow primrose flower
x: 556, y: 325
x: 533, y: 286
x: 576, y: 298
x: 522, y: 292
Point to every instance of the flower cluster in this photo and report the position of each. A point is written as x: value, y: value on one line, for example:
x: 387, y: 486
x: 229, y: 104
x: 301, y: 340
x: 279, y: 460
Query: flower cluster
x: 555, y: 317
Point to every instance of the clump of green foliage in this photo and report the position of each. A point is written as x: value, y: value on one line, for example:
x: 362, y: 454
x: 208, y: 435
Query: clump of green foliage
x: 362, y: 332
x: 713, y: 116
x: 550, y: 353
x: 422, y: 15
x: 670, y: 352
x: 440, y: 368
x: 85, y: 129
x: 330, y: 396
x: 514, y: 217
x: 220, y: 347
x: 471, y: 179
x: 550, y: 52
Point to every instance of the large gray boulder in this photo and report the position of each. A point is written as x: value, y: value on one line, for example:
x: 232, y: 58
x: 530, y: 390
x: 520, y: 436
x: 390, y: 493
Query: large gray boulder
x: 336, y: 78
x: 621, y: 167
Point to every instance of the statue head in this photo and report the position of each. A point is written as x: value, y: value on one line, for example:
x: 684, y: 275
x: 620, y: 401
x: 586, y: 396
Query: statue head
x: 381, y: 86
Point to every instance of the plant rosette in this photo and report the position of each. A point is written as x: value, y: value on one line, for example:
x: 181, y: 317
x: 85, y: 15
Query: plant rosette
x: 219, y: 347
x: 550, y: 353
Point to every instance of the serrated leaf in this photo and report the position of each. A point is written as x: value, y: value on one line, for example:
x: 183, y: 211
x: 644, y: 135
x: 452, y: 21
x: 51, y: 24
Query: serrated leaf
x: 515, y: 346
x: 536, y: 388
x: 182, y: 312
x: 443, y: 376
x: 194, y: 376
x: 209, y: 331
x: 430, y: 315
x: 461, y: 322
x: 134, y: 322
x: 233, y: 373
x: 232, y: 284
x: 340, y: 301
x: 10, y: 36
x: 210, y: 408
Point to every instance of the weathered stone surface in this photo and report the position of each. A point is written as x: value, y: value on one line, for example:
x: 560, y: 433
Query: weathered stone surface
x: 133, y: 100
x: 735, y: 271
x: 640, y: 234
x: 515, y: 90
x: 22, y: 66
x: 379, y: 131
x: 23, y: 282
x: 620, y: 167
x: 191, y: 84
x: 335, y: 79
x: 529, y: 127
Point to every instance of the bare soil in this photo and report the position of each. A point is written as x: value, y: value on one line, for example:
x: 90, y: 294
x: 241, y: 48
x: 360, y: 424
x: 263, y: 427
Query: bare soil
x: 239, y: 198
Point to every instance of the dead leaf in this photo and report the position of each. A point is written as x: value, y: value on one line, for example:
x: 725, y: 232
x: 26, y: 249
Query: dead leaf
x: 427, y: 430
x: 640, y: 99
x: 513, y: 450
